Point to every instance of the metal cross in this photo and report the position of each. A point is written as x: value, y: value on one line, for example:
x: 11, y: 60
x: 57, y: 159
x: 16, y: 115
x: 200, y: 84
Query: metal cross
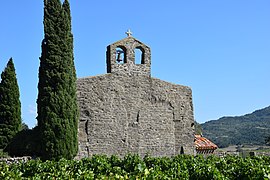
x: 129, y: 33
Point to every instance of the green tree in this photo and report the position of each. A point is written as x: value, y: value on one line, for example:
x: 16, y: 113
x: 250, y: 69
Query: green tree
x: 57, y: 104
x: 10, y: 105
x: 267, y: 140
x: 24, y: 126
x: 198, y: 128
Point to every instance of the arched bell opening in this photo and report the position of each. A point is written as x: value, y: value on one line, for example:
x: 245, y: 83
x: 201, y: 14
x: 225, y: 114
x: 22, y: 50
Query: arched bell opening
x: 139, y: 55
x: 121, y: 55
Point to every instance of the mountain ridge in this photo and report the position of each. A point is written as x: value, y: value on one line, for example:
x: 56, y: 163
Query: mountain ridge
x: 251, y: 128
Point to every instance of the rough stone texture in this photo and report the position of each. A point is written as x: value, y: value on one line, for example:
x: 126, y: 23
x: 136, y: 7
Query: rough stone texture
x: 127, y: 110
x: 12, y: 160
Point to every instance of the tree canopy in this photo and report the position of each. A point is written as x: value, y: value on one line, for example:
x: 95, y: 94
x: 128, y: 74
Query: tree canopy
x: 57, y: 105
x: 10, y: 105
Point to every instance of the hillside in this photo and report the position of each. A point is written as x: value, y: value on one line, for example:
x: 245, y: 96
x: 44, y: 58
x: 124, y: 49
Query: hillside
x: 247, y: 129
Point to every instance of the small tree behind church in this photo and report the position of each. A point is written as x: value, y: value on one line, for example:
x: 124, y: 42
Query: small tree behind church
x: 10, y: 105
x: 57, y: 105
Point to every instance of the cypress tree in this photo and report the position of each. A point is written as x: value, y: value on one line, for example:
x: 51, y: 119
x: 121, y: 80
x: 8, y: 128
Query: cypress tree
x: 10, y: 105
x: 57, y: 105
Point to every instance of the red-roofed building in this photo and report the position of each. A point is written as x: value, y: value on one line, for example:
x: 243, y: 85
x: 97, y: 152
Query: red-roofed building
x: 204, y: 145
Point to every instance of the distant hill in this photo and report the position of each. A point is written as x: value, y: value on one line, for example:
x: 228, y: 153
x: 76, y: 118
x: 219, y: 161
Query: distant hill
x: 247, y: 129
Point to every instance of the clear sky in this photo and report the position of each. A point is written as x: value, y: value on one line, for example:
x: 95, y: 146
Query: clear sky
x: 221, y: 49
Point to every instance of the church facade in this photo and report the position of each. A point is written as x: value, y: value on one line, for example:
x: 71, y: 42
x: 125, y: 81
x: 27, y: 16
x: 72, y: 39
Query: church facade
x: 128, y: 111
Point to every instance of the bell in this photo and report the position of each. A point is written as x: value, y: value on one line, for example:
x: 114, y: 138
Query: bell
x: 119, y: 57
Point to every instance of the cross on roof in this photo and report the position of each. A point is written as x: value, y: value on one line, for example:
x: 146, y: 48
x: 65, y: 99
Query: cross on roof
x: 129, y: 33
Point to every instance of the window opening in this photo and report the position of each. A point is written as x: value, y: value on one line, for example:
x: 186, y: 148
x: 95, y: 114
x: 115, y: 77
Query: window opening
x: 139, y: 56
x: 182, y: 150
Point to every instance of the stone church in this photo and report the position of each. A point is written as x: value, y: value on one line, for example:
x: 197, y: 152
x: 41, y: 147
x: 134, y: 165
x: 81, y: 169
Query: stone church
x: 128, y: 111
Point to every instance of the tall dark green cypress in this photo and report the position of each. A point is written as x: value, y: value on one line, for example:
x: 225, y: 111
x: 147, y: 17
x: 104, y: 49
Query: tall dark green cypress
x: 10, y: 105
x: 57, y: 105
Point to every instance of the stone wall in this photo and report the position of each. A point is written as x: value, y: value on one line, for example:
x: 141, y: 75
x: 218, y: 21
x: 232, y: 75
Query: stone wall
x: 137, y: 114
x: 11, y: 160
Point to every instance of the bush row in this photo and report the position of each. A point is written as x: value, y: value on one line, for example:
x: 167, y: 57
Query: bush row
x: 134, y: 167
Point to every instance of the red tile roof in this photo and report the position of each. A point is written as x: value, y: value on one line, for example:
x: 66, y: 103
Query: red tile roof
x: 201, y: 143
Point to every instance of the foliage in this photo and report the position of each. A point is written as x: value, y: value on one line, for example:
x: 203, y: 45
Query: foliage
x: 24, y: 127
x: 3, y: 154
x: 133, y: 167
x: 198, y: 128
x: 25, y: 143
x: 267, y: 140
x: 252, y: 128
x: 57, y: 105
x: 10, y: 105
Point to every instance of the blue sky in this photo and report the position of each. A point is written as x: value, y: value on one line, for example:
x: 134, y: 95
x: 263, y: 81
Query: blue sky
x: 221, y: 49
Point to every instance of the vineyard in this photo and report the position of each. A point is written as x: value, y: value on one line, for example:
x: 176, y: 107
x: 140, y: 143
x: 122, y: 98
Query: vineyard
x: 134, y: 167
